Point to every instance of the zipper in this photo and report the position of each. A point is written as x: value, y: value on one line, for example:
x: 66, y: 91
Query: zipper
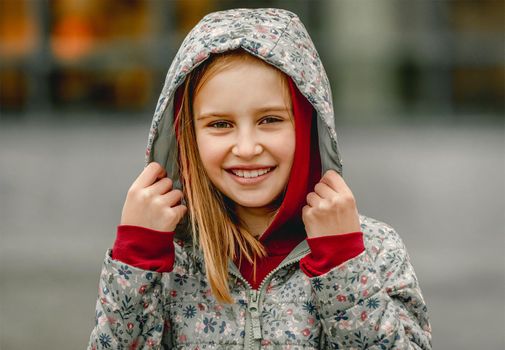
x: 255, y: 314
x: 253, y: 324
x: 254, y: 327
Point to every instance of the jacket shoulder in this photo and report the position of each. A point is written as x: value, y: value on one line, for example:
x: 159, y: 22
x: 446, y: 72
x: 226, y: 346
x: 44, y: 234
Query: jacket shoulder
x: 379, y: 237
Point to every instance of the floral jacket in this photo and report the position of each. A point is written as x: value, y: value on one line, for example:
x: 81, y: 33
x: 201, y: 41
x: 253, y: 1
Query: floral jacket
x: 372, y: 301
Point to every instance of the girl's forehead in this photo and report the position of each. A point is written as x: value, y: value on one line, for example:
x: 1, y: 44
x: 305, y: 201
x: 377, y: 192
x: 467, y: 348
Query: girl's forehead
x: 243, y: 81
x: 225, y: 64
x: 243, y: 87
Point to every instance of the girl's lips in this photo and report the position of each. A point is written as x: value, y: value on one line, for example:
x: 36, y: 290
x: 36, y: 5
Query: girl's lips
x: 250, y: 180
x: 249, y: 167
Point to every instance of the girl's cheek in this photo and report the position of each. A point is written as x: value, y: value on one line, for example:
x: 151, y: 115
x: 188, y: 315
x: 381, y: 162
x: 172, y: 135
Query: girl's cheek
x: 285, y: 144
x: 212, y: 150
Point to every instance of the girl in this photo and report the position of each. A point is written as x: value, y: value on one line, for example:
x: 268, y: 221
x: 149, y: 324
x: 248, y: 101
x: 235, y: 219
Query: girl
x: 268, y: 253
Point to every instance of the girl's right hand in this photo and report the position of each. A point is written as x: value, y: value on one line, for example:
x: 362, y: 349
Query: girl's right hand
x: 151, y: 202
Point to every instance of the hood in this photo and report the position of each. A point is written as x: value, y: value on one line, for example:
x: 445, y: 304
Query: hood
x: 277, y: 37
x: 273, y: 35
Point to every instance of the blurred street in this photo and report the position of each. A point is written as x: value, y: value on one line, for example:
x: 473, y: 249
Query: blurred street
x: 62, y: 187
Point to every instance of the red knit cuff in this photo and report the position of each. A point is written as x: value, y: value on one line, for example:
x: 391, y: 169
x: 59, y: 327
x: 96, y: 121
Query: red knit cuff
x: 328, y: 252
x: 144, y: 248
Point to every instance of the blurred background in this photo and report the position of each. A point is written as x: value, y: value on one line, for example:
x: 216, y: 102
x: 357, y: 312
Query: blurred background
x: 419, y: 91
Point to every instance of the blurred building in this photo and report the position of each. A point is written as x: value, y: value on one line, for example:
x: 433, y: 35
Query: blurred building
x: 385, y: 59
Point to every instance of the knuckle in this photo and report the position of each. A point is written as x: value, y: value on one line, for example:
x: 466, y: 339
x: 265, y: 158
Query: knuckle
x: 157, y: 201
x: 165, y: 182
x: 329, y: 174
x: 326, y: 205
x: 334, y: 201
x: 144, y: 196
x: 346, y: 202
x: 170, y: 214
x: 148, y: 168
x: 132, y: 191
x: 174, y: 196
x: 156, y: 167
x: 139, y: 195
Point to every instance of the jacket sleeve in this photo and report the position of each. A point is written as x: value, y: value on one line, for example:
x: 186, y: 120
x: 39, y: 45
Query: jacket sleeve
x: 373, y: 301
x: 327, y: 252
x: 129, y: 309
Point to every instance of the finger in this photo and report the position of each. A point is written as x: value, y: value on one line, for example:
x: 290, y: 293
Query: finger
x: 172, y: 198
x: 313, y: 200
x: 180, y: 211
x: 149, y: 175
x: 335, y: 182
x: 162, y: 186
x: 306, y: 214
x: 324, y: 191
x: 305, y: 211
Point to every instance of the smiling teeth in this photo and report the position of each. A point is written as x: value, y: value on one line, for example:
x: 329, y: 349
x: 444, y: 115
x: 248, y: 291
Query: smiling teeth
x: 251, y: 173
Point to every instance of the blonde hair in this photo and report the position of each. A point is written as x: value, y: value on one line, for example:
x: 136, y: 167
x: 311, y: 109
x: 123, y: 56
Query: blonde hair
x: 214, y: 223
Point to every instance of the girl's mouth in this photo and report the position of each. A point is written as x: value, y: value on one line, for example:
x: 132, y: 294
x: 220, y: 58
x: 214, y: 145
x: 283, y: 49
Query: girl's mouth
x: 250, y: 173
x: 249, y: 177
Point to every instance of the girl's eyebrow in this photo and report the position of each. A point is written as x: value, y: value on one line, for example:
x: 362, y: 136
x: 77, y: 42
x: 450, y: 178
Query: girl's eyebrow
x: 209, y: 115
x: 259, y: 110
x: 272, y: 109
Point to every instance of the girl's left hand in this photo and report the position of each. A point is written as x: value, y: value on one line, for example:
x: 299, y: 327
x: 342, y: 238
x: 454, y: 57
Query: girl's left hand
x: 331, y: 208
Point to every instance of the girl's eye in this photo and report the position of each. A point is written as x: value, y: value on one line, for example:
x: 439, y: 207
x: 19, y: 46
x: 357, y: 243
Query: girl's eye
x: 269, y: 120
x: 220, y: 125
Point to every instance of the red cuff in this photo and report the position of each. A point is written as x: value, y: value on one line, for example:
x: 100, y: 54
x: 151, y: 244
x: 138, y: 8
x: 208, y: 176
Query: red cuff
x: 328, y: 252
x: 144, y: 248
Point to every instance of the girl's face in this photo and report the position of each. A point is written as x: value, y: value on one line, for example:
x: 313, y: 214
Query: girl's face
x: 245, y: 133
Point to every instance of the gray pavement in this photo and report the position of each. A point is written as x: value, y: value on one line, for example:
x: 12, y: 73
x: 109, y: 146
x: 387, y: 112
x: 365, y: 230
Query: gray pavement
x: 62, y: 187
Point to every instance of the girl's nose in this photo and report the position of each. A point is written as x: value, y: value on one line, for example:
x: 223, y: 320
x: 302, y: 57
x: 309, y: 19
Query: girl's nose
x: 246, y: 147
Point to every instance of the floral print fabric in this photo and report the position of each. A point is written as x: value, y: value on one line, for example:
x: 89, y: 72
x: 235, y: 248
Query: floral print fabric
x: 372, y: 301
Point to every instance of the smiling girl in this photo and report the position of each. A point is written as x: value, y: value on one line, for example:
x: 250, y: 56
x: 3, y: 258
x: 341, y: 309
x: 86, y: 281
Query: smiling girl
x: 243, y: 170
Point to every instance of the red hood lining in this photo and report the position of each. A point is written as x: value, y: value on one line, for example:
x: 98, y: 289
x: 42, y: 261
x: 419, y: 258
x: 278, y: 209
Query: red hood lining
x: 287, y: 229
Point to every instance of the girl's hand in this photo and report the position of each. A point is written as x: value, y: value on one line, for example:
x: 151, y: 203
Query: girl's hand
x: 331, y: 208
x: 151, y: 202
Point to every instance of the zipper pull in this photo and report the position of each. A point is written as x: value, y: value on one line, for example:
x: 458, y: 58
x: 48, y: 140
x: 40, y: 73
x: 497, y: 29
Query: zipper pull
x: 255, y: 314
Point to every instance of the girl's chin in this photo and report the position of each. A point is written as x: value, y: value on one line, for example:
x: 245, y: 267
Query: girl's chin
x: 254, y: 204
x: 263, y: 204
x: 260, y: 202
